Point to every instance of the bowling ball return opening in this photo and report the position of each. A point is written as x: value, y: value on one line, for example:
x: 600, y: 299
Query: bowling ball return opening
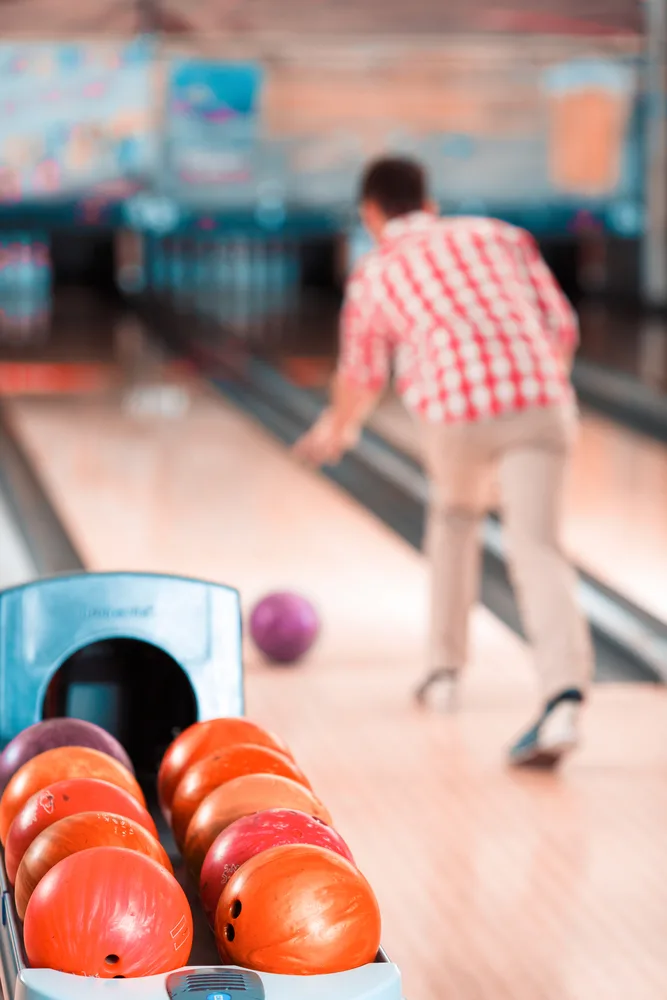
x: 143, y: 656
x: 133, y: 689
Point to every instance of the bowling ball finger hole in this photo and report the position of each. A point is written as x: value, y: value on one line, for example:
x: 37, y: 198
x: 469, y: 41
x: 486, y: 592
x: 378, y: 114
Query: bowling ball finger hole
x: 237, y: 906
x: 230, y: 933
x: 112, y: 960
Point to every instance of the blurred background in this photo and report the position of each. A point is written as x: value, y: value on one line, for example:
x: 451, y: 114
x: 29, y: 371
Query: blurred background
x: 177, y: 220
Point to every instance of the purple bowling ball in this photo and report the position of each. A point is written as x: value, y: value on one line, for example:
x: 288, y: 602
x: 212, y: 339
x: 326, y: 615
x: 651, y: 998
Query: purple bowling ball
x: 52, y: 733
x: 284, y: 626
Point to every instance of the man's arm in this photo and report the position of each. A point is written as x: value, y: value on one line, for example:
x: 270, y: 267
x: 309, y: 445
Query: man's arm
x: 560, y: 319
x: 362, y: 373
x: 351, y: 402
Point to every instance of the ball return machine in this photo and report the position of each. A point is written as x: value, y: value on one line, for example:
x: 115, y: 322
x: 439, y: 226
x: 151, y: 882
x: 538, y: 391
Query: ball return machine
x: 144, y: 656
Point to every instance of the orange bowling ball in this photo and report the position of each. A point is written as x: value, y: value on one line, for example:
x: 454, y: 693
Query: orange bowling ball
x: 65, y: 798
x: 298, y: 910
x: 55, y: 765
x: 215, y: 770
x: 109, y: 913
x: 79, y: 833
x: 242, y: 797
x: 202, y: 739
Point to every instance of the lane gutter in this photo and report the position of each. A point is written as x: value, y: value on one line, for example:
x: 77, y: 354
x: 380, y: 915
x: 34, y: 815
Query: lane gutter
x: 51, y: 549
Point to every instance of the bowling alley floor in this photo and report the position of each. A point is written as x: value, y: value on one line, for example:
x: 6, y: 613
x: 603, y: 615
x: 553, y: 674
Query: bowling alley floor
x: 492, y: 883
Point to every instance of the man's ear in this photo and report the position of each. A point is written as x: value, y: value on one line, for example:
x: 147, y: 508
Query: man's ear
x: 373, y: 218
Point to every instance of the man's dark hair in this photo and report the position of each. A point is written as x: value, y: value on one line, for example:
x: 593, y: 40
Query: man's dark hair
x: 396, y: 185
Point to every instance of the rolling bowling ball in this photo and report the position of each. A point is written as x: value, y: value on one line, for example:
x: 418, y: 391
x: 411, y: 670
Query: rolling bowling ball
x: 79, y: 833
x: 65, y: 798
x: 110, y: 913
x: 298, y: 910
x: 202, y: 739
x: 284, y: 626
x: 241, y: 797
x: 251, y: 835
x: 215, y: 770
x: 55, y: 765
x: 52, y: 733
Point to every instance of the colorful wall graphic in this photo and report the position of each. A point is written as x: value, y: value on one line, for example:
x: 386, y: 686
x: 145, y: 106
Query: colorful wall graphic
x: 501, y: 133
x: 211, y: 129
x: 589, y: 111
x: 73, y: 116
x: 541, y: 136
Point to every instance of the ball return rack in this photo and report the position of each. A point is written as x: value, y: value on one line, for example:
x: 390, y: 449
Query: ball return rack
x: 144, y: 656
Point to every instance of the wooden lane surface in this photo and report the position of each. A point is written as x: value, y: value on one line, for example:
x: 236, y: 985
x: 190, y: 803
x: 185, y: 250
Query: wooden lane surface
x: 492, y: 883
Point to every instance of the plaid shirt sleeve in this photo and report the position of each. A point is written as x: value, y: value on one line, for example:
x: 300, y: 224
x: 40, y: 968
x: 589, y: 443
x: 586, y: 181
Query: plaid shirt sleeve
x: 365, y: 341
x: 560, y: 319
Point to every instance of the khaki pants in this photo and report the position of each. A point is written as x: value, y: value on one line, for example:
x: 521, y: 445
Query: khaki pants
x: 530, y: 451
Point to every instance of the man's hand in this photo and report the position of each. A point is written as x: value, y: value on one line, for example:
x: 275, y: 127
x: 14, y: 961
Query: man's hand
x: 339, y: 426
x: 327, y: 440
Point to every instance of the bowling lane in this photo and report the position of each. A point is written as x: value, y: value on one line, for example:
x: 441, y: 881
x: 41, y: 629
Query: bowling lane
x: 16, y: 565
x: 491, y: 883
x: 619, y: 478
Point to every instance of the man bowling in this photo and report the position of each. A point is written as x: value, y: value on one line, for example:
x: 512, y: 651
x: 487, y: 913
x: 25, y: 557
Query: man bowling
x: 480, y: 339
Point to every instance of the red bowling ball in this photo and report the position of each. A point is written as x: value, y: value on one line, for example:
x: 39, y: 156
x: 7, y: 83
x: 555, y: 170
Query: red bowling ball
x: 67, y: 798
x: 242, y: 797
x: 57, y: 765
x: 251, y: 835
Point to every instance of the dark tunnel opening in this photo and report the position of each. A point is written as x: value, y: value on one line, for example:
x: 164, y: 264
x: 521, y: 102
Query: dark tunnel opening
x: 131, y: 688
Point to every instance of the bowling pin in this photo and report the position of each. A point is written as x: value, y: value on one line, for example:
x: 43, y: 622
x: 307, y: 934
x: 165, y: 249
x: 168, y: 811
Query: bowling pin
x: 178, y: 271
x: 212, y: 275
x: 197, y: 271
x: 197, y: 287
x: 292, y: 280
x: 219, y: 280
x: 171, y: 269
x: 4, y: 260
x: 212, y: 248
x: 292, y: 264
x: 160, y: 265
x: 149, y: 262
x: 188, y: 272
x: 223, y: 266
x: 256, y: 291
x: 256, y: 297
x: 239, y: 283
x: 14, y: 305
x: 43, y: 283
x: 245, y: 286
x: 168, y: 267
x: 273, y: 270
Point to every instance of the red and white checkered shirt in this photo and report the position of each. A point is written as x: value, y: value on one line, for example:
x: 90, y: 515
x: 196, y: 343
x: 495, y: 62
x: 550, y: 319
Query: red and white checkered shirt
x: 467, y: 314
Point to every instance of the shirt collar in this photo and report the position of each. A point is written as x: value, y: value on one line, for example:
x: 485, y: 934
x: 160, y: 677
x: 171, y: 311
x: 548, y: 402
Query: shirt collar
x: 402, y: 225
